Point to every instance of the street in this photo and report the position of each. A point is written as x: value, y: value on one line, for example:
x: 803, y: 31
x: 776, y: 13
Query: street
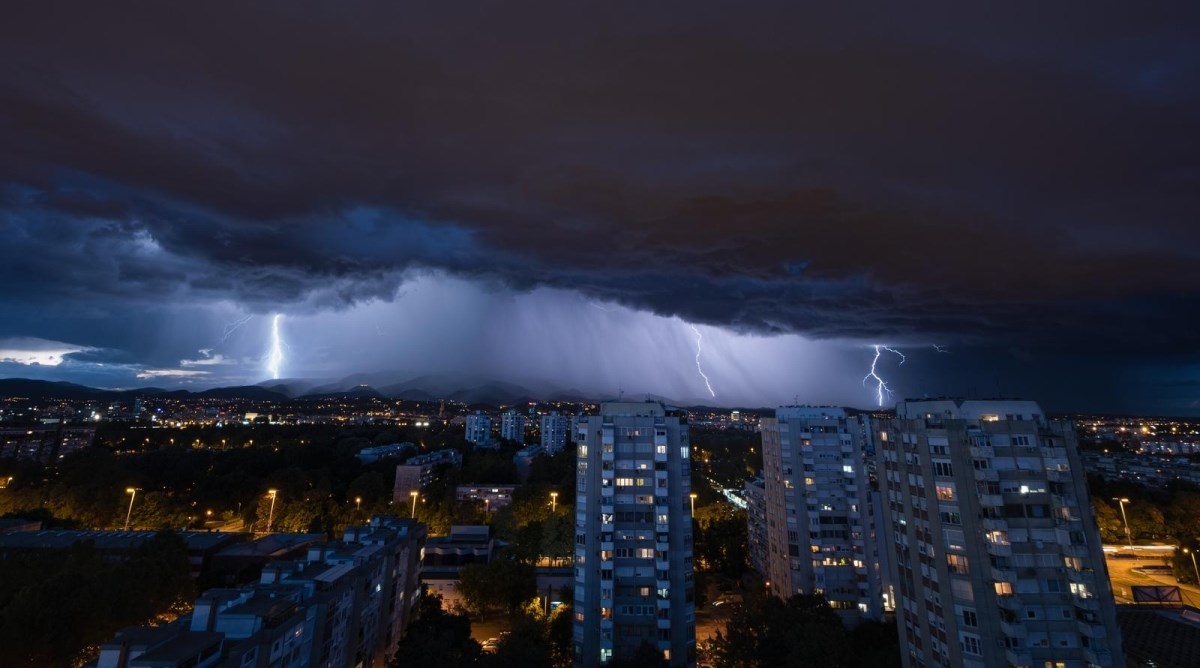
x: 1120, y: 573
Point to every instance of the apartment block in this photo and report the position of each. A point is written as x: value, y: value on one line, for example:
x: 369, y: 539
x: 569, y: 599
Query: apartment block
x: 816, y: 493
x: 997, y: 561
x: 633, y: 553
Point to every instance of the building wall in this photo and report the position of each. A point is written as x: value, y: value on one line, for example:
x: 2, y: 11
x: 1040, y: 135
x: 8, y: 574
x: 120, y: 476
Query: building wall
x: 997, y: 560
x: 479, y: 429
x: 512, y: 427
x: 553, y: 432
x: 633, y: 556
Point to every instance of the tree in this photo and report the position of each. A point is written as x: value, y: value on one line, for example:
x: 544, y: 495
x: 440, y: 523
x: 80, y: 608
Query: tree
x: 766, y: 632
x: 437, y: 639
x: 504, y: 583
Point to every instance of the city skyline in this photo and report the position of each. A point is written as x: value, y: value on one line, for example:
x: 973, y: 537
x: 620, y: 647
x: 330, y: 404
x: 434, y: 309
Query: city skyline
x: 734, y: 205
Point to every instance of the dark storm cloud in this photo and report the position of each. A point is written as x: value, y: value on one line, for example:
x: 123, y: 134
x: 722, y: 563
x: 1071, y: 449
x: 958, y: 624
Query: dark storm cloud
x: 1017, y: 177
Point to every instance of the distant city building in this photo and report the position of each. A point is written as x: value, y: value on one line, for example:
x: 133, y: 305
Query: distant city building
x: 815, y: 492
x: 756, y: 524
x: 997, y: 561
x: 633, y: 545
x: 479, y: 429
x: 390, y: 451
x: 554, y: 432
x: 344, y: 605
x: 45, y: 444
x: 523, y: 460
x: 495, y: 496
x: 512, y: 426
x: 416, y: 473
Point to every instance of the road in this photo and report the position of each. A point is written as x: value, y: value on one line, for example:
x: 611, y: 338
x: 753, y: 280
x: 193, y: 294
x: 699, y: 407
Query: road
x: 1122, y: 577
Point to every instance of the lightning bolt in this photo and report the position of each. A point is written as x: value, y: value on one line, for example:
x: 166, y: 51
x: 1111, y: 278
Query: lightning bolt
x: 940, y: 349
x: 699, y: 350
x: 231, y: 327
x: 881, y: 386
x: 275, y: 358
x: 597, y: 306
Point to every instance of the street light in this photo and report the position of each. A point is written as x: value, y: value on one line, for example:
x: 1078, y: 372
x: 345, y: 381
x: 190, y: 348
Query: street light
x: 1128, y: 534
x: 1194, y: 567
x: 358, y: 503
x: 414, y: 496
x: 692, y: 496
x: 553, y: 501
x: 271, y: 516
x: 485, y: 506
x: 132, y: 492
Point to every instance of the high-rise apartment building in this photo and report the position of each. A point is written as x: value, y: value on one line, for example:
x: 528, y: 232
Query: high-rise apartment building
x: 756, y: 523
x: 819, y: 533
x: 633, y: 543
x: 554, y: 432
x: 997, y: 560
x: 479, y: 429
x: 512, y: 426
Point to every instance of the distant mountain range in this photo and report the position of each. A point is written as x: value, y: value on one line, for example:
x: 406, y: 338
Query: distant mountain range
x: 381, y: 385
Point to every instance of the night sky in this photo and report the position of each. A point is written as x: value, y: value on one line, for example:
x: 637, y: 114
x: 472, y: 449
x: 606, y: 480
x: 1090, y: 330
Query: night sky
x: 555, y: 193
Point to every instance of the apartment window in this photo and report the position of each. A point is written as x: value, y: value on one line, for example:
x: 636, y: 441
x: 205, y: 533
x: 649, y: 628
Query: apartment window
x: 957, y: 564
x: 582, y: 450
x: 945, y: 492
x: 943, y: 469
x: 1004, y: 589
x: 1020, y: 440
x: 624, y: 482
x: 969, y: 618
x: 970, y: 644
x: 685, y: 452
x: 950, y: 517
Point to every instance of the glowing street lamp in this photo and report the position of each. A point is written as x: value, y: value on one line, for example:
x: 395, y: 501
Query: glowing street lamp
x: 132, y: 492
x: 414, y: 496
x: 358, y: 503
x: 1194, y: 567
x: 692, y: 496
x: 1124, y: 518
x: 271, y: 516
x: 553, y: 501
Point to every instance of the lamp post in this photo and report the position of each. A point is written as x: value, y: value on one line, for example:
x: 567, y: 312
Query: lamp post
x: 271, y: 516
x: 132, y: 492
x: 486, y: 507
x: 414, y: 495
x: 692, y: 496
x: 1194, y: 567
x: 1128, y: 534
x: 358, y: 503
x: 553, y: 502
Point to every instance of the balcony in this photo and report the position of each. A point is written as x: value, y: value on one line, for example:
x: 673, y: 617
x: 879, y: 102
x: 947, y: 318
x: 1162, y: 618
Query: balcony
x: 1091, y: 604
x: 992, y: 500
x: 1004, y: 574
x: 995, y: 524
x: 664, y: 623
x: 999, y: 549
x: 982, y: 451
x: 1095, y: 631
x: 988, y: 475
x: 1013, y: 629
x: 1010, y: 603
x: 1018, y: 657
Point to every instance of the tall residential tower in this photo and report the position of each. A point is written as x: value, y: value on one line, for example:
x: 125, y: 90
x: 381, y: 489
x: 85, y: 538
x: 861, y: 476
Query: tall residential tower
x: 633, y: 543
x: 819, y: 531
x: 997, y: 560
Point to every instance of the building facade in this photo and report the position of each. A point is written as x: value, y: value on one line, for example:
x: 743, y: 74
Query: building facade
x: 479, y: 429
x: 414, y: 474
x: 633, y: 545
x: 553, y: 432
x: 512, y: 426
x: 997, y: 560
x: 819, y: 537
x: 345, y: 605
x: 756, y: 523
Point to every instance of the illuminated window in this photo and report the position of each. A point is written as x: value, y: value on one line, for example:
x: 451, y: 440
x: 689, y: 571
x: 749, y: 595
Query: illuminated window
x: 945, y: 492
x: 957, y: 563
x: 1004, y: 589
